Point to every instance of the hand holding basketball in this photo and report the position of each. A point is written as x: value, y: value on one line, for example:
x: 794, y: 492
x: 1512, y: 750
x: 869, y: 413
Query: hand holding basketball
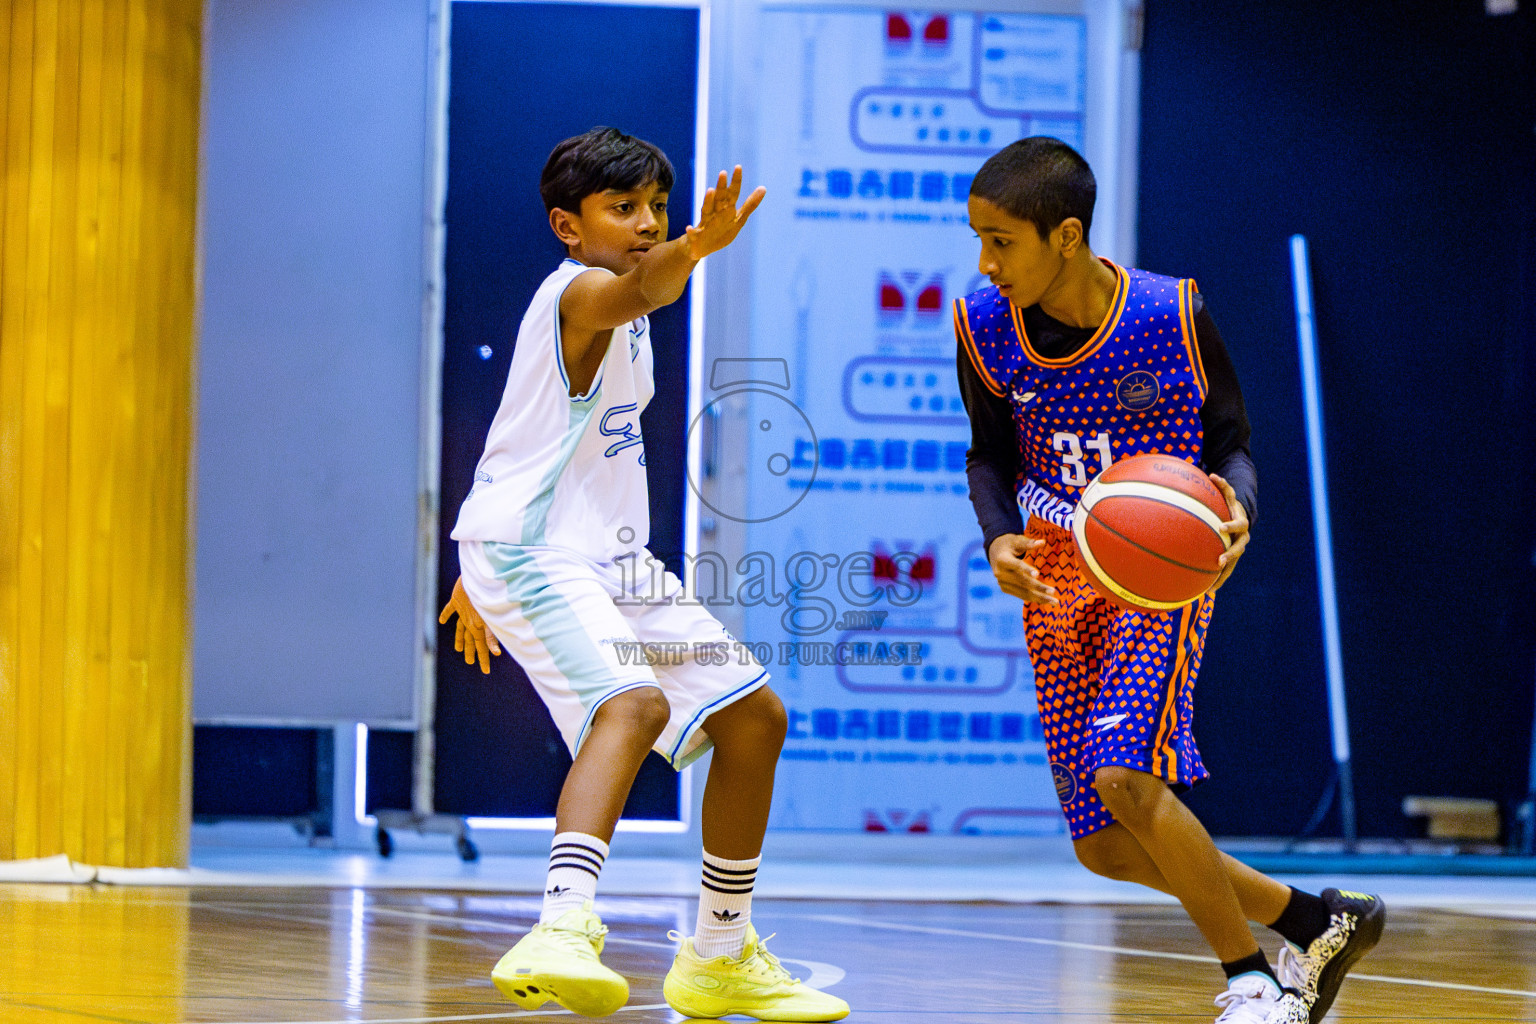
x: 1236, y: 530
x: 1016, y: 576
x: 1152, y: 532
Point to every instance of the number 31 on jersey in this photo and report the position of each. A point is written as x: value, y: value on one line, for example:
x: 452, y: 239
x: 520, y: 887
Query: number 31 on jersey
x: 1073, y: 471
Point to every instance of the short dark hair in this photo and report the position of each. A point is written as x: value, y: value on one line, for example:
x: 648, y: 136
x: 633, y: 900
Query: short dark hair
x: 599, y: 160
x: 1041, y: 180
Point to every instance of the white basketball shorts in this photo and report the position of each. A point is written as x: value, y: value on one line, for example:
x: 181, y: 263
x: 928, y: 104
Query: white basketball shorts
x: 584, y: 632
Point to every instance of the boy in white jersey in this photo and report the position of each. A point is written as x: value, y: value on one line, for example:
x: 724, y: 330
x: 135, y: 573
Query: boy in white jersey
x: 552, y: 555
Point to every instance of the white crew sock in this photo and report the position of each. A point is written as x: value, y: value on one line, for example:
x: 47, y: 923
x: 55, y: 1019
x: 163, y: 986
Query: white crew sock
x: 575, y: 861
x: 725, y: 906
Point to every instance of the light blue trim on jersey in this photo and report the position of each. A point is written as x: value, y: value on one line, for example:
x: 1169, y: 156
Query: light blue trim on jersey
x: 597, y: 381
x: 559, y: 350
x: 536, y: 515
x: 540, y: 603
x: 586, y: 723
x: 704, y: 712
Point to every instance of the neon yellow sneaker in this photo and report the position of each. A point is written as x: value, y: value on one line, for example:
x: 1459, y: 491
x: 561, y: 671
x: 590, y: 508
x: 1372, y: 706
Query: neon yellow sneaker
x: 753, y: 984
x: 559, y: 961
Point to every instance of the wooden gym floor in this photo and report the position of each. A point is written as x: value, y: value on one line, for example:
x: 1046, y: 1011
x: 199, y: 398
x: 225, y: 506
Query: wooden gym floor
x: 207, y: 954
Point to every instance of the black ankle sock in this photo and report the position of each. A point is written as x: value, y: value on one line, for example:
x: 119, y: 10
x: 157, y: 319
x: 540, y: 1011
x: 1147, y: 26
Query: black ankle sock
x: 1256, y: 963
x: 1305, y: 918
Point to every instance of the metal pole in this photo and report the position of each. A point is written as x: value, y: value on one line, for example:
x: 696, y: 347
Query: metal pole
x: 1311, y: 391
x: 1528, y: 808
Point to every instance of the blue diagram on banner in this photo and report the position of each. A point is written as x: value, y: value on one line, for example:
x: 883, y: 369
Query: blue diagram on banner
x: 873, y: 125
x: 989, y: 626
x: 895, y: 389
x: 1027, y: 78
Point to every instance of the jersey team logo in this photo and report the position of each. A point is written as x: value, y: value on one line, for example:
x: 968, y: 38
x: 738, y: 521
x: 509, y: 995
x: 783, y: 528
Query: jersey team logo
x: 622, y: 422
x: 1066, y: 782
x: 1137, y: 391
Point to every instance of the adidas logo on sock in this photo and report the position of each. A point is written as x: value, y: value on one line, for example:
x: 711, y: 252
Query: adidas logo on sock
x: 558, y: 890
x: 725, y: 915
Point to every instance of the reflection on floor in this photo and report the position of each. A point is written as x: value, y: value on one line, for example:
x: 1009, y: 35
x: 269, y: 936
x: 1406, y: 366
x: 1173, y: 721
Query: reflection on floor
x: 1045, y: 872
x: 302, y: 954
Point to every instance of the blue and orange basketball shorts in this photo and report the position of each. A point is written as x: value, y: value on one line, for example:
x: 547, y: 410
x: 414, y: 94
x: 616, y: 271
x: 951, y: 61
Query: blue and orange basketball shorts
x: 1116, y: 687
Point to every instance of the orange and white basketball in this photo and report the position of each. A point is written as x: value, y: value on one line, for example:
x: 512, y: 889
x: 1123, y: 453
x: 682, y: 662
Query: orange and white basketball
x: 1148, y: 532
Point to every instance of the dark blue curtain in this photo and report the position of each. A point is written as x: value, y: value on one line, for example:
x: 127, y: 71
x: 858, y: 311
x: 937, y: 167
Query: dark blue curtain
x: 1399, y: 139
x: 523, y: 77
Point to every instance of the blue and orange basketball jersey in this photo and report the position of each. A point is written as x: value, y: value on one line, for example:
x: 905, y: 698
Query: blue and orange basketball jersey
x: 1115, y: 687
x: 1136, y: 387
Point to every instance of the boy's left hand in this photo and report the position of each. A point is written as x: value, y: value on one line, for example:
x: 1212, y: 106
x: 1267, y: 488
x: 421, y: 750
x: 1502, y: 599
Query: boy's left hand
x: 1236, y: 529
x: 470, y: 634
x: 719, y: 219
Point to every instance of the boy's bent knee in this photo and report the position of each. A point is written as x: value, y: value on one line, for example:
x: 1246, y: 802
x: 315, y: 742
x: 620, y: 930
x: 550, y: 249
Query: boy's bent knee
x: 758, y: 719
x: 1128, y: 794
x: 768, y: 715
x: 643, y: 711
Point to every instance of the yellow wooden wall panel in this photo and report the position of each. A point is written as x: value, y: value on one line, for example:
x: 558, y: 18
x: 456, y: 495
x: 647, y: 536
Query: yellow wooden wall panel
x: 144, y: 755
x: 127, y: 669
x: 152, y: 760
x: 98, y: 134
x: 20, y: 791
x: 58, y: 498
x: 101, y: 64
x: 49, y: 179
x: 10, y: 491
x: 134, y: 532
x: 116, y: 348
x: 134, y: 535
x: 74, y: 147
x: 41, y: 495
x: 33, y: 224
x: 81, y: 756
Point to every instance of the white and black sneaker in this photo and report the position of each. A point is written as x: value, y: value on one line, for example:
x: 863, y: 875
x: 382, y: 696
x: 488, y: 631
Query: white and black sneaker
x: 1355, y: 923
x: 1254, y: 998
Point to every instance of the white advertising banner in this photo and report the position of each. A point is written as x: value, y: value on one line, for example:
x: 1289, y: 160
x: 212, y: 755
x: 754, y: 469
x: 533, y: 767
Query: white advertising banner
x: 910, y: 697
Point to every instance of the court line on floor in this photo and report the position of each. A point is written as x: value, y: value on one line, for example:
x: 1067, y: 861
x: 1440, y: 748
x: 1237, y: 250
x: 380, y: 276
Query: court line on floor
x: 822, y: 975
x: 1126, y: 951
x: 819, y: 980
x: 69, y: 1013
x: 504, y: 1015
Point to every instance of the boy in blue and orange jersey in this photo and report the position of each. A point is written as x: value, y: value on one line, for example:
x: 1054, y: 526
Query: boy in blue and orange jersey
x: 1068, y: 363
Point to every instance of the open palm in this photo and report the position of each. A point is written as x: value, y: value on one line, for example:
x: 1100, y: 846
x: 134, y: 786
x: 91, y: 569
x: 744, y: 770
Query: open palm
x: 720, y: 219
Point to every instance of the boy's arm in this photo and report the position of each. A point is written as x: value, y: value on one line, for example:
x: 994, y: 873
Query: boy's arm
x: 1223, y: 416
x: 1224, y: 423
x: 992, y: 462
x: 991, y: 467
x: 594, y: 303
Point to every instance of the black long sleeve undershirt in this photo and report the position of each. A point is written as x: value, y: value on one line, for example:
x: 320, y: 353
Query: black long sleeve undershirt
x: 992, y: 464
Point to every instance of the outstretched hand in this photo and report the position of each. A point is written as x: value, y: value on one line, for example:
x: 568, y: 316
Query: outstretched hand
x: 470, y: 634
x: 720, y: 220
x: 1016, y: 576
x: 1235, y: 529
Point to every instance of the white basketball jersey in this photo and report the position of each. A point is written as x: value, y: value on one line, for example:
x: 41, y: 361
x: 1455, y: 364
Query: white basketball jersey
x: 560, y: 471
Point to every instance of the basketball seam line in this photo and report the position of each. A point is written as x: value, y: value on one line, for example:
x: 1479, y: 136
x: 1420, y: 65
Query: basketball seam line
x: 1099, y: 490
x: 1097, y: 572
x: 1154, y: 554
